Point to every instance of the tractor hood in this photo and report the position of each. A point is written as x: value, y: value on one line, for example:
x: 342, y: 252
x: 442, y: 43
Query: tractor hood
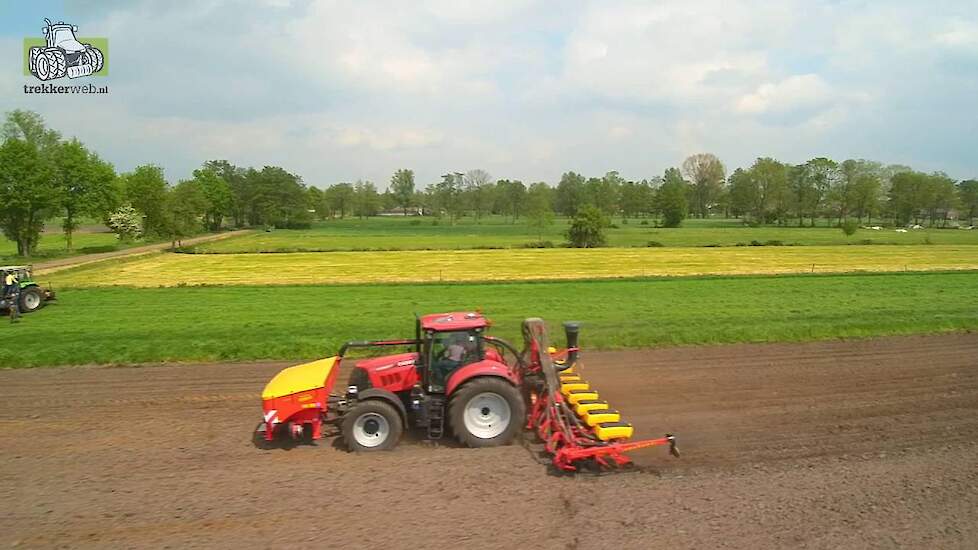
x: 305, y: 377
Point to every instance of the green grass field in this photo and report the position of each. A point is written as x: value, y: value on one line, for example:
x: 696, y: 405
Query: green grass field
x: 419, y: 234
x: 124, y: 325
x: 507, y: 265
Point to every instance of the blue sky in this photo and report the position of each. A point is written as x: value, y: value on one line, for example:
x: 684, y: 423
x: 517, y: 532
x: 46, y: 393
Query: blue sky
x: 339, y: 91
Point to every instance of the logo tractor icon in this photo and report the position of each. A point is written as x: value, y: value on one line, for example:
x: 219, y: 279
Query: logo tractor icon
x: 64, y: 54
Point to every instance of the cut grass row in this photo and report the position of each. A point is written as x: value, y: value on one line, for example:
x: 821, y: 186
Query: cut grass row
x: 420, y: 234
x: 509, y: 265
x: 126, y: 325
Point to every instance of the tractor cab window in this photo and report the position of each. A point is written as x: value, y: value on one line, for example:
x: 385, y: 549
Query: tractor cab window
x: 450, y: 350
x: 62, y: 35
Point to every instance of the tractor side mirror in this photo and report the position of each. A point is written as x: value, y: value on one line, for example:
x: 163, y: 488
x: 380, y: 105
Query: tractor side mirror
x: 74, y: 28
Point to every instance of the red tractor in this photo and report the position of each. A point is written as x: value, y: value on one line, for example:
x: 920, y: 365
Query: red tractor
x: 456, y: 378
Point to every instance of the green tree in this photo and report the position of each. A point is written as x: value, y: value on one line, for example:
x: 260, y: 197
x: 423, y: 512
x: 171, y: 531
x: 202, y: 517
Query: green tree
x: 478, y: 188
x: 240, y: 186
x: 705, y: 173
x: 184, y: 207
x: 366, y: 200
x: 944, y: 198
x: 744, y: 193
x: 85, y: 185
x: 867, y: 192
x: 569, y: 196
x: 402, y: 186
x: 218, y: 194
x: 604, y: 192
x: 909, y: 195
x: 512, y: 194
x: 587, y: 229
x: 28, y: 193
x: 145, y: 189
x: 671, y: 200
x: 539, y: 208
x: 968, y: 196
x: 317, y: 201
x: 340, y: 198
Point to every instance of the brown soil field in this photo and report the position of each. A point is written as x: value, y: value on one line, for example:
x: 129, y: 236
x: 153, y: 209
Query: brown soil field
x: 856, y: 444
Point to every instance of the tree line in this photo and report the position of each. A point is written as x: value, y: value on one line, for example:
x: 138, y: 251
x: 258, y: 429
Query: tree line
x: 43, y: 175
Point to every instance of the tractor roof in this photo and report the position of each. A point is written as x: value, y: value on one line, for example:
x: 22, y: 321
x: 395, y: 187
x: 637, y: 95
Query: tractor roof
x: 14, y: 267
x: 456, y: 320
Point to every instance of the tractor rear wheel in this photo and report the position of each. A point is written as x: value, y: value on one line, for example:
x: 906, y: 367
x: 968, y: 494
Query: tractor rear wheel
x: 95, y: 57
x: 371, y: 425
x: 31, y: 299
x: 486, y: 412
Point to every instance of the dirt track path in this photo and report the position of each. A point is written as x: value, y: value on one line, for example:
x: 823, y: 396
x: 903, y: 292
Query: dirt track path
x: 45, y: 268
x: 823, y: 445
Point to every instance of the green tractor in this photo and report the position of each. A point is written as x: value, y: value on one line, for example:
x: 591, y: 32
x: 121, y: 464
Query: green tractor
x: 32, y: 295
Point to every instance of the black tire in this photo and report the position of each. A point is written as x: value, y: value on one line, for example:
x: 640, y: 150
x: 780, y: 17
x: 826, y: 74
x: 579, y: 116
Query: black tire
x: 57, y: 63
x: 95, y: 57
x: 31, y: 299
x: 491, y: 391
x: 362, y: 423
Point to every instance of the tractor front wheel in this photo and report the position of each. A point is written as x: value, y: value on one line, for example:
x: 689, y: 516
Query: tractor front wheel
x: 31, y: 299
x: 57, y: 64
x: 371, y: 425
x: 486, y: 412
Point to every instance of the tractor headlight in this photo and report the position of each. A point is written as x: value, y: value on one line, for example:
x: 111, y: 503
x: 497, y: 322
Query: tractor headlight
x: 351, y: 391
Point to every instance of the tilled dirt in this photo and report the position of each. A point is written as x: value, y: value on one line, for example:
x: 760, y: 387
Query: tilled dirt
x: 823, y: 445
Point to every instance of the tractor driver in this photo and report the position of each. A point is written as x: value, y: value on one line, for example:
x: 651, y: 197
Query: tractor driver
x: 450, y: 358
x: 11, y: 293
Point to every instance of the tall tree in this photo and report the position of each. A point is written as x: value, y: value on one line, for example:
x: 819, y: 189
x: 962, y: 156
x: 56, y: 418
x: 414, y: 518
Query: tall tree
x: 340, y: 198
x: 145, y: 189
x: 670, y: 198
x: 366, y: 200
x: 705, y: 173
x: 402, y: 186
x: 184, y: 207
x: 539, y: 208
x: 512, y: 194
x: 85, y: 185
x: 239, y: 184
x: 218, y: 194
x: 478, y: 186
x: 569, y: 196
x: 27, y: 193
x: 968, y: 196
x: 448, y: 195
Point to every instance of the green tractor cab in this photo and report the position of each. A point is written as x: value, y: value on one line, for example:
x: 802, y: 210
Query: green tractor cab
x: 32, y: 295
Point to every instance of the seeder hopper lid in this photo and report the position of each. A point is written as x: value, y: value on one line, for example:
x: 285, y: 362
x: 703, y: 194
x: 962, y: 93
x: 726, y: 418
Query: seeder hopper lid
x: 308, y: 376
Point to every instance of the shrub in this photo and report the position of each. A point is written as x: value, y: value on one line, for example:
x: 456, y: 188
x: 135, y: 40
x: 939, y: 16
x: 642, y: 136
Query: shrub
x: 654, y: 244
x: 849, y: 227
x: 756, y: 243
x: 587, y: 228
x: 773, y: 243
x: 644, y: 222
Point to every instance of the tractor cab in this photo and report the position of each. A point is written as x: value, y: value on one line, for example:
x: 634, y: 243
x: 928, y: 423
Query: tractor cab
x: 62, y: 35
x: 448, y: 342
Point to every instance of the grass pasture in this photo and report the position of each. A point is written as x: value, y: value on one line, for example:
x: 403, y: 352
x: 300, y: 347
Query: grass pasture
x: 495, y: 232
x: 508, y: 265
x: 128, y: 325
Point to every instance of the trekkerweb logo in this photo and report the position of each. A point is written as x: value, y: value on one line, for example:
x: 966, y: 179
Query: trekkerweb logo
x: 60, y: 53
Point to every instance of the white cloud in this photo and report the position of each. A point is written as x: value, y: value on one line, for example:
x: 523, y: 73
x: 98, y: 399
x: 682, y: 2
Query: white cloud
x: 806, y: 91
